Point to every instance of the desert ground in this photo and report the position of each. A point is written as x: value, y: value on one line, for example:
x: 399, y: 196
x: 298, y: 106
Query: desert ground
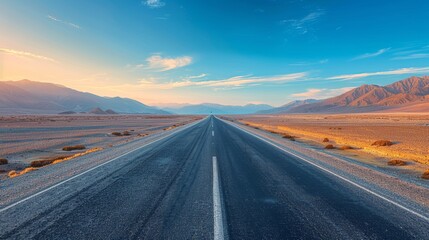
x: 354, y: 135
x: 26, y: 139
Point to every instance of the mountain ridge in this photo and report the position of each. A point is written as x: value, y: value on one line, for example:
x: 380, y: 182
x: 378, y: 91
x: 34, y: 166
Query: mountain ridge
x: 372, y: 98
x: 287, y: 106
x: 31, y: 97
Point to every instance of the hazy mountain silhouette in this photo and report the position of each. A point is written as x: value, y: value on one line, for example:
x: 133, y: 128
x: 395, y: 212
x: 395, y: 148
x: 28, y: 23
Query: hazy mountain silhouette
x: 211, y: 108
x: 285, y: 108
x: 27, y: 96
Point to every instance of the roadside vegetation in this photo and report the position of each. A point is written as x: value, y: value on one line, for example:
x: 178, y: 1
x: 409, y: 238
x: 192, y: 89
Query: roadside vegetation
x: 425, y: 175
x: 34, y: 165
x: 396, y: 162
x: 3, y: 161
x: 72, y: 148
x: 329, y: 146
x: 381, y: 143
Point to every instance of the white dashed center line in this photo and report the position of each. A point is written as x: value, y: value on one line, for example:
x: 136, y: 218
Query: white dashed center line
x: 217, y: 206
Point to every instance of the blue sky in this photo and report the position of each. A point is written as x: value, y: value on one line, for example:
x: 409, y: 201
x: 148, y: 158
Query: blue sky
x: 165, y: 52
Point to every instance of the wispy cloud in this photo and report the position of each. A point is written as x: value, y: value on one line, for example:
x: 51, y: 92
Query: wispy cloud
x: 322, y: 93
x: 303, y: 25
x: 391, y: 72
x: 371, y: 55
x: 26, y: 54
x: 198, y: 76
x: 236, y: 81
x: 64, y: 22
x: 323, y: 61
x: 412, y: 56
x: 165, y: 64
x: 154, y: 3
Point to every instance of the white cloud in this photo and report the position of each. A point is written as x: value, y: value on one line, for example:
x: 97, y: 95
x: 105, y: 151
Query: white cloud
x: 323, y: 61
x: 309, y: 94
x: 26, y: 54
x: 154, y: 3
x: 237, y: 81
x: 371, y: 55
x: 323, y: 93
x: 412, y: 56
x: 391, y: 72
x: 64, y: 22
x: 165, y: 64
x: 303, y: 25
x: 198, y: 76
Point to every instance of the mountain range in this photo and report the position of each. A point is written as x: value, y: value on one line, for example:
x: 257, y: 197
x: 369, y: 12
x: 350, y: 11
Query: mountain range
x: 288, y: 106
x: 211, y: 108
x: 30, y: 97
x: 408, y: 95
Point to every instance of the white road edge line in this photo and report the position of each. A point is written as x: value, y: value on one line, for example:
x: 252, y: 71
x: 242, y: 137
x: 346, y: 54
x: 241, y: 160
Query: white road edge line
x: 217, y: 207
x: 91, y: 169
x: 335, y: 174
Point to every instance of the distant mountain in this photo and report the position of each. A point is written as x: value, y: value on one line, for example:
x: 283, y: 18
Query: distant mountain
x: 110, y: 111
x: 30, y: 97
x: 411, y: 94
x: 97, y: 111
x: 101, y: 111
x: 285, y: 108
x: 211, y: 108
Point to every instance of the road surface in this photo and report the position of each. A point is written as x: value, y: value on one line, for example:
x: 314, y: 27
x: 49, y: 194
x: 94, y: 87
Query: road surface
x: 210, y: 181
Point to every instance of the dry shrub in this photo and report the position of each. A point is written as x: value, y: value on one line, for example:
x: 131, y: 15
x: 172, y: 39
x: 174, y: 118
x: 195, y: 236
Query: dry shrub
x: 382, y: 143
x: 396, y: 162
x: 71, y: 148
x: 346, y: 147
x: 34, y: 165
x: 425, y: 175
x: 15, y: 173
x: 66, y: 158
x: 329, y: 146
x: 116, y: 134
x: 288, y: 136
x: 42, y: 163
x: 3, y: 161
x: 325, y: 140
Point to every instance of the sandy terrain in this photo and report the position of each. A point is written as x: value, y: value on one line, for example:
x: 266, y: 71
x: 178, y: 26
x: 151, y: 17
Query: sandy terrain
x: 24, y: 139
x: 409, y: 133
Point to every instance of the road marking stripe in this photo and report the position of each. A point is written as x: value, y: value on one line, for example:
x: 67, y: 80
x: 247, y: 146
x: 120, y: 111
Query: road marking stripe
x: 91, y: 169
x: 335, y: 174
x: 217, y: 207
x: 212, y: 133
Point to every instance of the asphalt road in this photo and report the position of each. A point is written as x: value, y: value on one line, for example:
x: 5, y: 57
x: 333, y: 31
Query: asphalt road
x: 208, y: 181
